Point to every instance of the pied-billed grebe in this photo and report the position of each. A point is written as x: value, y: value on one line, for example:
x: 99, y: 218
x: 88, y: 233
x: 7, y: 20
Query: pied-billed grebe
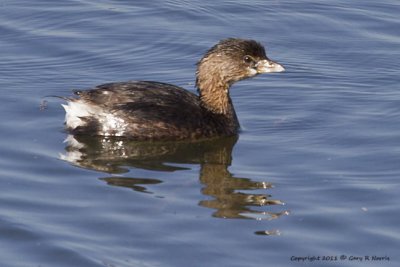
x: 152, y: 110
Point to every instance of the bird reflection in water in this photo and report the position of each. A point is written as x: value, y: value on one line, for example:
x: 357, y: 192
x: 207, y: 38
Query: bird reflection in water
x: 232, y: 197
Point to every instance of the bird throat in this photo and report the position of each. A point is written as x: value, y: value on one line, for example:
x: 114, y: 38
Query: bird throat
x: 216, y: 99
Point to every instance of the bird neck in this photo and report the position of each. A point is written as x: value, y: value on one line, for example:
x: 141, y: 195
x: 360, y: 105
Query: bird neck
x: 213, y: 81
x: 213, y: 86
x: 215, y: 98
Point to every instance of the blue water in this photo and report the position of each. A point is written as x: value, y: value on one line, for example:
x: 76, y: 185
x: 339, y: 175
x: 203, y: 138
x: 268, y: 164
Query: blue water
x: 315, y: 171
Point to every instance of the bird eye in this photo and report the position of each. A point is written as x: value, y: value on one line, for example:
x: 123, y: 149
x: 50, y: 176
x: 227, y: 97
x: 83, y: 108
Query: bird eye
x: 248, y: 59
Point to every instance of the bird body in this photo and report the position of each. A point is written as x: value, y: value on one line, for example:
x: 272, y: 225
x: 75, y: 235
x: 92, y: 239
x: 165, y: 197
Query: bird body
x: 152, y: 110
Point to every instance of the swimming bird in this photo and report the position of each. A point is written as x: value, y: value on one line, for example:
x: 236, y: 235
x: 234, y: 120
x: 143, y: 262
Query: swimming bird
x: 147, y: 110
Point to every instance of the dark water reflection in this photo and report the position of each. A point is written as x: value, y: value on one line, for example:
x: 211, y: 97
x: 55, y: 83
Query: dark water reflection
x: 231, y: 197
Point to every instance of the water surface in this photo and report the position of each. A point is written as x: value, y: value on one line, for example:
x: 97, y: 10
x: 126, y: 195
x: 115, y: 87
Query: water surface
x: 314, y: 172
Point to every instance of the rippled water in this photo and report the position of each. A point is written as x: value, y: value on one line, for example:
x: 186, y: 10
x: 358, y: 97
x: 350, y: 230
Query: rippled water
x: 315, y: 171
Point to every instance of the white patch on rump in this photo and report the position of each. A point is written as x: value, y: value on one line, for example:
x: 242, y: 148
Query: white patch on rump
x: 109, y: 123
x: 112, y: 125
x: 76, y: 109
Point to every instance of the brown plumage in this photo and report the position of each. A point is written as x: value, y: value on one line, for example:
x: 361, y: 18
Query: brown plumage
x: 152, y: 110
